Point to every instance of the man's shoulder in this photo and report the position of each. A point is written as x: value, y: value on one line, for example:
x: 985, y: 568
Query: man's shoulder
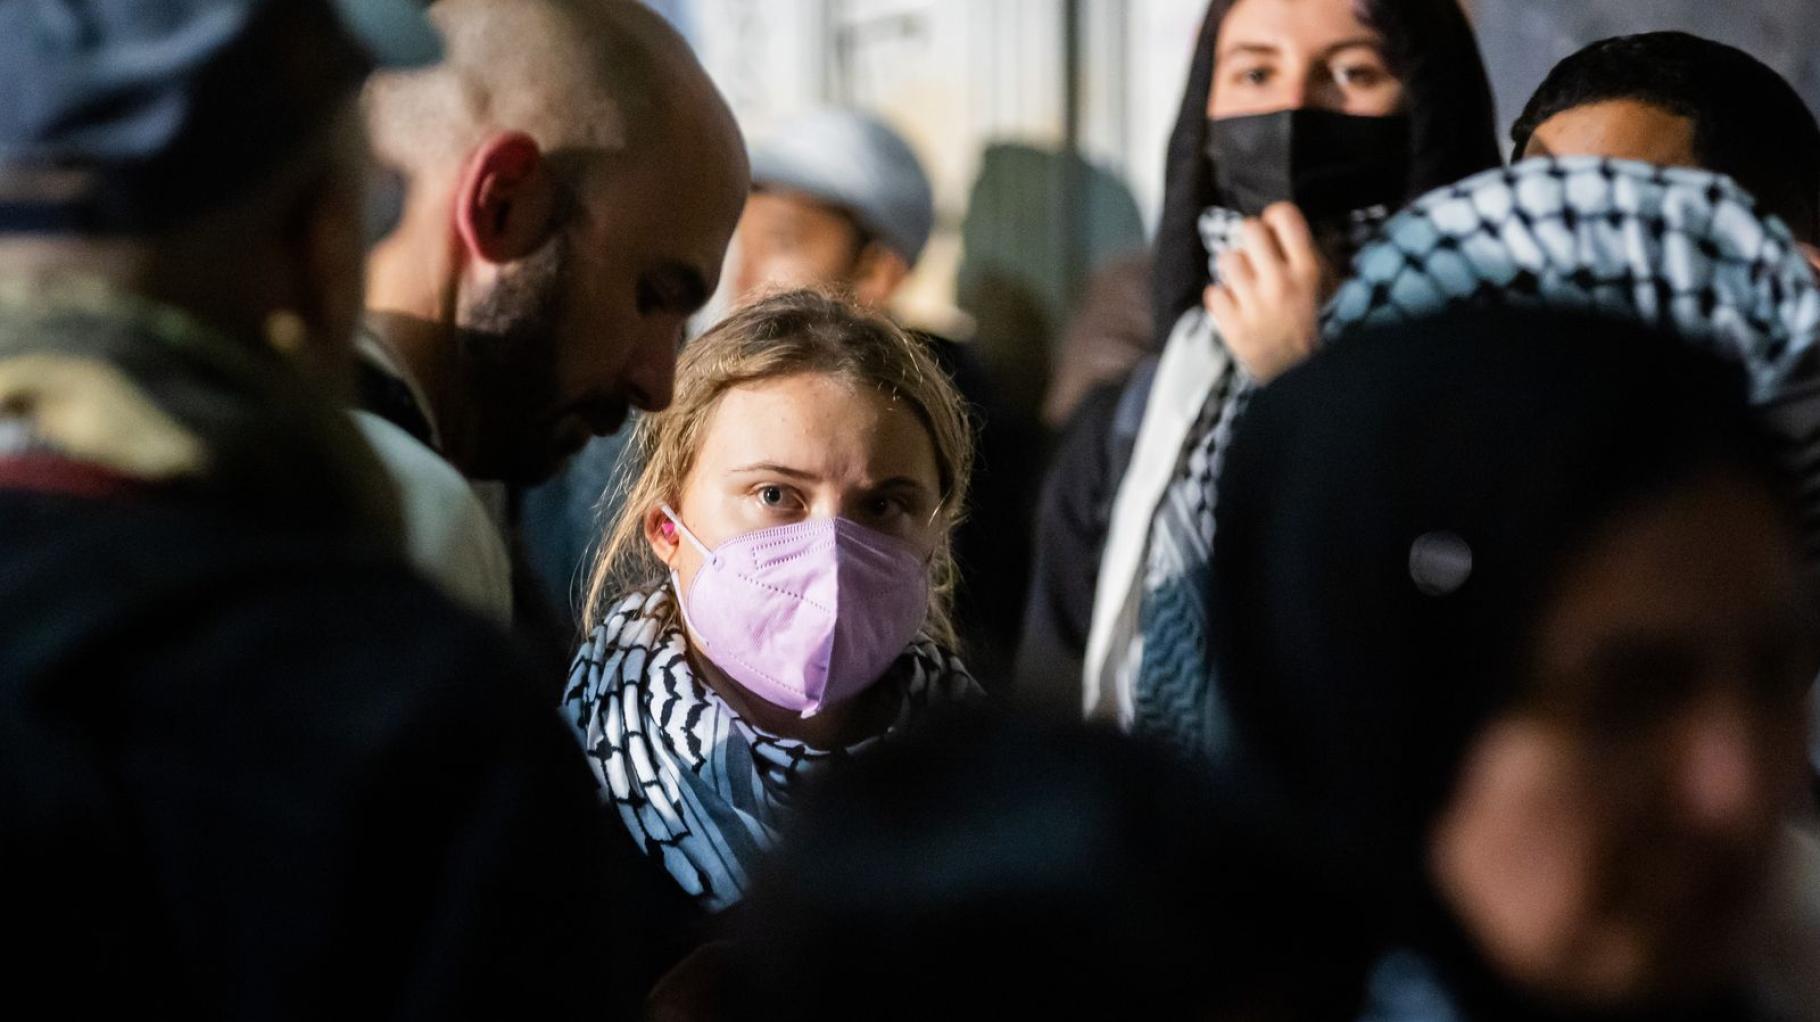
x: 449, y: 535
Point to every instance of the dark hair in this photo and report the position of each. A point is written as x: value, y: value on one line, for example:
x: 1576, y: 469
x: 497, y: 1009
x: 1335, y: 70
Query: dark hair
x: 1453, y: 134
x: 1749, y: 123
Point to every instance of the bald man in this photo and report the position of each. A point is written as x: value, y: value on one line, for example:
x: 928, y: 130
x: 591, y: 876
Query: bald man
x: 569, y: 180
x: 573, y: 182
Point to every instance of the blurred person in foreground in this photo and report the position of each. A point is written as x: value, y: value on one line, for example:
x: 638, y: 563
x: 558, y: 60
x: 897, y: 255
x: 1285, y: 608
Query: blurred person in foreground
x: 1684, y: 250
x: 254, y: 768
x: 1674, y: 99
x: 1512, y: 634
x: 1303, y: 125
x: 991, y: 868
x: 573, y: 180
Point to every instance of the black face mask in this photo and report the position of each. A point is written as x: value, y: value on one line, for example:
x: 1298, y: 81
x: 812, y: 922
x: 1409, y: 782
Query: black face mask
x: 1328, y: 164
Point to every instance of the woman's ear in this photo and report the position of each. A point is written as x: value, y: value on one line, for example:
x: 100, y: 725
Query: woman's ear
x: 660, y: 532
x: 507, y: 199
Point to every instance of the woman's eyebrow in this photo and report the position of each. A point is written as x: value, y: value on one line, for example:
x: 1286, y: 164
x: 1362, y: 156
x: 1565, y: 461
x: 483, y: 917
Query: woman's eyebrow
x: 1373, y: 42
x: 902, y: 483
x: 1255, y: 49
x: 772, y: 468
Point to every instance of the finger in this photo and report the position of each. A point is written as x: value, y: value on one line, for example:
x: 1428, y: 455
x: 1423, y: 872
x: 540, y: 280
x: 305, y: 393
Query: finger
x: 1266, y: 254
x: 1223, y: 307
x: 1295, y: 239
x: 1237, y: 271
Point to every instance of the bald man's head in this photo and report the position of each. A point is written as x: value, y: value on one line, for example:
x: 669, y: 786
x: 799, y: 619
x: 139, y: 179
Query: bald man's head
x: 582, y: 73
x: 574, y: 180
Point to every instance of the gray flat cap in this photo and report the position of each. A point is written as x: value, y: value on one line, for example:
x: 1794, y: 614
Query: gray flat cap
x: 853, y: 161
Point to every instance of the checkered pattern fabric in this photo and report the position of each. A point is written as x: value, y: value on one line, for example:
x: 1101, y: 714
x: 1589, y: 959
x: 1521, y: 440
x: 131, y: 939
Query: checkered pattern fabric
x: 1684, y: 250
x: 703, y: 790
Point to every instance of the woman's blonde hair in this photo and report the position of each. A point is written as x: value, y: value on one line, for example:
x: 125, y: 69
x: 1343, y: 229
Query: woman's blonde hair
x: 785, y: 334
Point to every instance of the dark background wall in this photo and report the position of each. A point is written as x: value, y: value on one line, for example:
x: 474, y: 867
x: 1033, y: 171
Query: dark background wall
x: 1522, y: 39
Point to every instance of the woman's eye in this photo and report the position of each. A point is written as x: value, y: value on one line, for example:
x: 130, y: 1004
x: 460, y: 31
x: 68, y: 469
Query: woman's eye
x: 771, y: 496
x: 1255, y: 76
x: 1362, y: 77
x: 884, y: 508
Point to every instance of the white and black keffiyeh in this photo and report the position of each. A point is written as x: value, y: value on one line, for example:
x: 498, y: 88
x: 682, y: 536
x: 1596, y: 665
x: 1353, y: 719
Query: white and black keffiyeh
x: 1684, y: 250
x: 702, y: 789
x: 1173, y: 691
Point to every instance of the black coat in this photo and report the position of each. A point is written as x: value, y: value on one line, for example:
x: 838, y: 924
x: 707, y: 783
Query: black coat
x: 253, y: 772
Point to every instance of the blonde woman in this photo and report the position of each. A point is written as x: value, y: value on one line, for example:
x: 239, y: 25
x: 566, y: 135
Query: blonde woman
x: 774, y: 594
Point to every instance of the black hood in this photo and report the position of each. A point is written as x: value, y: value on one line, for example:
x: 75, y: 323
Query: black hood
x: 1395, y: 515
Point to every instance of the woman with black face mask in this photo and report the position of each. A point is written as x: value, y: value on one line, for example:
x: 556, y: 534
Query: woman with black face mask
x: 1304, y: 123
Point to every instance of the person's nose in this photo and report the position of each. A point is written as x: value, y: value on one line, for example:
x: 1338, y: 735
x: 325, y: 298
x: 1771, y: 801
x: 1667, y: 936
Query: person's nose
x: 651, y: 374
x: 1321, y: 90
x: 1297, y: 91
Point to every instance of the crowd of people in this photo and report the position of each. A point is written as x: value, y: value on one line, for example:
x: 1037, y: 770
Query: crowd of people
x: 1415, y: 622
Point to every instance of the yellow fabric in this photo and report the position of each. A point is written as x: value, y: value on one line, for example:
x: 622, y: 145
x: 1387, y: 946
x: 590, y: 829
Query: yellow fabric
x: 89, y: 410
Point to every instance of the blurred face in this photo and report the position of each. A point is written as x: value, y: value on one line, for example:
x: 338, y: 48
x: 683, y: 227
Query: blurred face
x: 787, y: 239
x: 1288, y: 54
x: 588, y: 326
x: 1622, y: 129
x: 1608, y: 843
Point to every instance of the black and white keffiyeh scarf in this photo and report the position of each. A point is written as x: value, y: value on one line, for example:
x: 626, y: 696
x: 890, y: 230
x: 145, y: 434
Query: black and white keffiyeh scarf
x: 1172, y: 693
x: 702, y: 789
x: 1683, y: 250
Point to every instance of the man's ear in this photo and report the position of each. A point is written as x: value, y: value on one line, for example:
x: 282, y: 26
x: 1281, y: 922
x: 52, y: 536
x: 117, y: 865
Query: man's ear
x: 1812, y: 252
x: 660, y: 532
x: 877, y: 274
x: 507, y: 198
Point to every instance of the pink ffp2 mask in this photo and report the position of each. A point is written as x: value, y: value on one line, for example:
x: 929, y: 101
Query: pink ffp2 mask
x: 807, y: 615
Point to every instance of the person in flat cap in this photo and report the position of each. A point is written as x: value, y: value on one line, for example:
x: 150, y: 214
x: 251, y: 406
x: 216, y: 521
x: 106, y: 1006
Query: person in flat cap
x: 252, y: 766
x: 839, y: 200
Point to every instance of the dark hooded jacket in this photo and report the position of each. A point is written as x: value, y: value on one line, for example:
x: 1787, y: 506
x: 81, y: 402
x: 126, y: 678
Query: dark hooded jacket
x: 1453, y: 134
x: 1394, y: 516
x: 254, y: 767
